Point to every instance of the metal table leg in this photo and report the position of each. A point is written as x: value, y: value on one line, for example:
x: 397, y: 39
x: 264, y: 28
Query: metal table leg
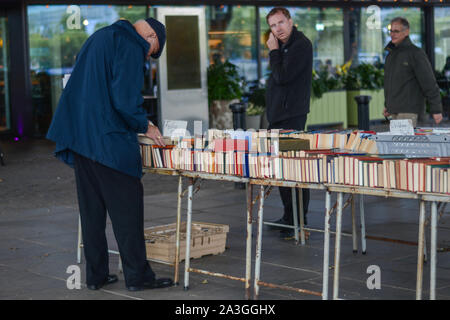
x: 425, y: 255
x: 80, y: 240
x: 294, y: 213
x: 337, y: 251
x: 433, y: 250
x: 302, y: 215
x: 420, y: 251
x: 354, y: 236
x: 188, y: 234
x: 259, y: 243
x: 178, y: 226
x: 248, y: 264
x: 326, y: 247
x: 363, y: 224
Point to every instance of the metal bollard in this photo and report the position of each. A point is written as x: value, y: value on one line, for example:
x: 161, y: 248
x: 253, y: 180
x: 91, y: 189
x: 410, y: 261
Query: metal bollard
x: 363, y: 111
x: 238, y: 110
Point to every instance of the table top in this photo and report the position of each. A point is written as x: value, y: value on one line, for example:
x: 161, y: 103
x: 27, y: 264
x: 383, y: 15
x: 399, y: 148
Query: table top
x: 388, y: 193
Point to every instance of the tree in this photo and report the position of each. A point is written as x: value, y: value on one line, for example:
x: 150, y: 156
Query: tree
x: 131, y: 13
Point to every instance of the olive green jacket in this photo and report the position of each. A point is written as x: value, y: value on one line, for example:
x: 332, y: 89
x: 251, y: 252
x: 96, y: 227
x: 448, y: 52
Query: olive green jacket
x: 409, y: 80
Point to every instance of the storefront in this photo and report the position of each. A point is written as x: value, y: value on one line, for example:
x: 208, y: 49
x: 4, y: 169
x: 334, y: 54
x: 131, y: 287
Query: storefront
x: 4, y: 84
x: 54, y: 31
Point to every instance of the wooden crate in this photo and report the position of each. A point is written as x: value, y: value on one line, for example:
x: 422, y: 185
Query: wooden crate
x: 206, y: 238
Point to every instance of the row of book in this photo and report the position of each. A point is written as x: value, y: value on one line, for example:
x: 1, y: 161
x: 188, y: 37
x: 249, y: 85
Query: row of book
x: 272, y: 141
x: 333, y: 166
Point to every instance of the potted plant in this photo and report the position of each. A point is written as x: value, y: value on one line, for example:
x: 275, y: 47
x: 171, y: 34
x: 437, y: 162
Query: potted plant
x: 256, y: 108
x: 253, y: 116
x: 364, y: 79
x: 223, y: 89
x: 323, y: 81
x: 328, y: 104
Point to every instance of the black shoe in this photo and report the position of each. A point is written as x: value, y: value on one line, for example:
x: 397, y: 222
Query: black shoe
x: 156, y: 284
x: 112, y: 278
x: 290, y: 234
x: 287, y: 234
x: 279, y: 221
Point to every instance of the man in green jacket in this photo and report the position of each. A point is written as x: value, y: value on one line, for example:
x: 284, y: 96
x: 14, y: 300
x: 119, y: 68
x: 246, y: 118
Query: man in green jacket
x: 408, y: 77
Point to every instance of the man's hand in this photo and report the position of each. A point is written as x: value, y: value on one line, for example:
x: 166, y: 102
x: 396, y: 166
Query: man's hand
x: 386, y: 113
x: 155, y: 135
x: 437, y: 117
x: 272, y: 43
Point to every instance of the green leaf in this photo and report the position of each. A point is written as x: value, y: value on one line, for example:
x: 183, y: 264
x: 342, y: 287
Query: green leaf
x: 223, y: 82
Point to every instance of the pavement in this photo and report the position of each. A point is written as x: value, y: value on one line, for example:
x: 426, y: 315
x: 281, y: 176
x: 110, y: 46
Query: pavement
x: 38, y: 240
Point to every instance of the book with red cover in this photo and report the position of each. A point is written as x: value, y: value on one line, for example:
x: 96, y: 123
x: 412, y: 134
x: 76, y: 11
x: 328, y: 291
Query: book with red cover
x: 228, y: 144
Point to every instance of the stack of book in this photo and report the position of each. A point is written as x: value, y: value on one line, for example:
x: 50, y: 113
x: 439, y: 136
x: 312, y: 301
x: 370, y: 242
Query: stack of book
x: 347, y: 158
x: 418, y: 175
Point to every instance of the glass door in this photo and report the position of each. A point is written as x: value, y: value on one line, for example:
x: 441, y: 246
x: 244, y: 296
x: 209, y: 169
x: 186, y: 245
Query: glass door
x: 5, y: 123
x: 182, y: 84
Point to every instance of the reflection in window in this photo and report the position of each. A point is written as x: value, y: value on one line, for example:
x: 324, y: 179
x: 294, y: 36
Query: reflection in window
x: 183, y: 53
x: 231, y: 35
x: 370, y: 40
x: 442, y: 40
x: 56, y: 34
x: 4, y: 88
x: 323, y: 26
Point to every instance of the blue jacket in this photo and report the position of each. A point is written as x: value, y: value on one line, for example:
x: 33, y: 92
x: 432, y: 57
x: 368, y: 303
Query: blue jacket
x: 100, y: 110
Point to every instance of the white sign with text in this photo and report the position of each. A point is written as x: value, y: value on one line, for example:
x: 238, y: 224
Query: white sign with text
x: 174, y: 128
x: 402, y: 127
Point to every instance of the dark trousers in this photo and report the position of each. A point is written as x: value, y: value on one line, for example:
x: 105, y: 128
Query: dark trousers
x: 101, y: 189
x: 297, y: 123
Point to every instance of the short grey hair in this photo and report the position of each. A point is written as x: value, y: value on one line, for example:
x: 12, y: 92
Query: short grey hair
x: 402, y: 21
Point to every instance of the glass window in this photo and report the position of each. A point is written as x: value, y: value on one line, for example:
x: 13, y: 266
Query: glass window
x: 442, y: 40
x: 372, y: 33
x: 323, y: 26
x: 231, y: 35
x: 56, y: 34
x: 183, y: 57
x: 4, y: 88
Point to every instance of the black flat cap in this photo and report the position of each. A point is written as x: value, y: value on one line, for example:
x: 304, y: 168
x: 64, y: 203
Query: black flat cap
x: 160, y: 30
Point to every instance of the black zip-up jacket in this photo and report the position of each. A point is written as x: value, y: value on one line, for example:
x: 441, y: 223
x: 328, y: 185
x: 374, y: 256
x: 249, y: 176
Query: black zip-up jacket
x: 409, y: 80
x: 289, y: 85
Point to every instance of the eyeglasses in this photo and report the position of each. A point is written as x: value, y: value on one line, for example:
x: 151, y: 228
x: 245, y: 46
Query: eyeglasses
x: 396, y: 31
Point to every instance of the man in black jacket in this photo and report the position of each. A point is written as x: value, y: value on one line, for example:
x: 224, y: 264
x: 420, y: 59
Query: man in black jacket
x: 408, y: 77
x: 288, y: 88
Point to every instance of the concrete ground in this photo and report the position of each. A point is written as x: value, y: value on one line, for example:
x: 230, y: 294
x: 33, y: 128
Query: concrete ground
x: 38, y: 236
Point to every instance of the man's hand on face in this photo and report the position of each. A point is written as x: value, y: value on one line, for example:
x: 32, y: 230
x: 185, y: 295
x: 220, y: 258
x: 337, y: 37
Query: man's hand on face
x: 437, y: 117
x: 154, y: 134
x: 152, y: 39
x: 272, y: 43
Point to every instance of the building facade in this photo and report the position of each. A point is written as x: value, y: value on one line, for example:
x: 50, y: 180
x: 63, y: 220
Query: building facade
x: 39, y: 42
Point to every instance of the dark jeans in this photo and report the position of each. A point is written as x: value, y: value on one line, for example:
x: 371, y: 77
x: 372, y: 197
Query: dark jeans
x: 101, y: 189
x: 297, y: 123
